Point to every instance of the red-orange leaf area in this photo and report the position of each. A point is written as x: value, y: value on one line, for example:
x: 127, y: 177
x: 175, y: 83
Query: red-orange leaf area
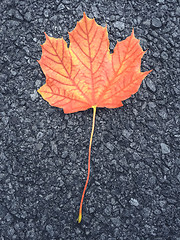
x: 86, y: 74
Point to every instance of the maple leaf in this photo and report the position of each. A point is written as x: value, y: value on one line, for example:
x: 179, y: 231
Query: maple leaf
x: 86, y: 75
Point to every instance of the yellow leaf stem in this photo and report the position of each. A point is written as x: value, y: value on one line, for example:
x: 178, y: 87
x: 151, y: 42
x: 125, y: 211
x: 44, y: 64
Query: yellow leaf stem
x: 89, y: 158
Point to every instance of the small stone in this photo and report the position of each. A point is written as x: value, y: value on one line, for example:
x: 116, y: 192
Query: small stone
x: 8, y: 218
x: 92, y: 209
x: 139, y: 19
x: 40, y: 135
x: 13, y: 72
x: 49, y: 229
x: 126, y: 133
x: 136, y: 156
x: 18, y: 16
x: 54, y: 18
x: 30, y: 234
x: 46, y: 13
x: 147, y: 23
x: 178, y: 176
x: 146, y: 212
x: 119, y: 25
x: 162, y: 203
x: 31, y: 139
x: 49, y: 197
x: 143, y: 42
x: 66, y: 1
x: 60, y: 7
x: 165, y: 148
x: 39, y: 146
x: 61, y: 183
x: 150, y: 85
x: 34, y: 95
x: 152, y: 105
x: 157, y: 212
x: 3, y: 211
x: 156, y: 23
x: 73, y: 156
x: 3, y: 77
x: 38, y: 83
x: 14, y: 120
x: 152, y: 180
x: 5, y: 120
x: 11, y: 231
x: 108, y: 210
x: 64, y: 154
x: 2, y: 175
x: 110, y: 146
x: 154, y: 34
x: 155, y: 54
x: 164, y: 55
x: 54, y: 147
x: 79, y: 10
x: 18, y: 226
x: 116, y: 221
x: 95, y: 11
x: 28, y: 16
x: 134, y: 202
x: 163, y: 113
x: 178, y: 11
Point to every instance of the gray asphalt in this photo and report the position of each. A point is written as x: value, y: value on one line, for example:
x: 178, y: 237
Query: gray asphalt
x: 134, y: 188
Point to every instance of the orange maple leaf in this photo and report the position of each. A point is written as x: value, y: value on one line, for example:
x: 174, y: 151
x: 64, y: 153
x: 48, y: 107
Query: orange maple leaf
x: 86, y: 75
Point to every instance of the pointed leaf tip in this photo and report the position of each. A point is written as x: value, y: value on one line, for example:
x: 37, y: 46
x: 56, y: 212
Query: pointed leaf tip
x: 133, y: 31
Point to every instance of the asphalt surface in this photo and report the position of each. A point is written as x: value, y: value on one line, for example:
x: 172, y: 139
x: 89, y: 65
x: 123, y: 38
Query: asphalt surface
x: 134, y: 188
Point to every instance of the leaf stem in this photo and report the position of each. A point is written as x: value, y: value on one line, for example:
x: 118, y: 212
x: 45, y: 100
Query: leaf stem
x: 89, y: 160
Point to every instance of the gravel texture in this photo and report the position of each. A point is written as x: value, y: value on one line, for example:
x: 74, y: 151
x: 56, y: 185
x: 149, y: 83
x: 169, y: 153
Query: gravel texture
x: 134, y: 188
